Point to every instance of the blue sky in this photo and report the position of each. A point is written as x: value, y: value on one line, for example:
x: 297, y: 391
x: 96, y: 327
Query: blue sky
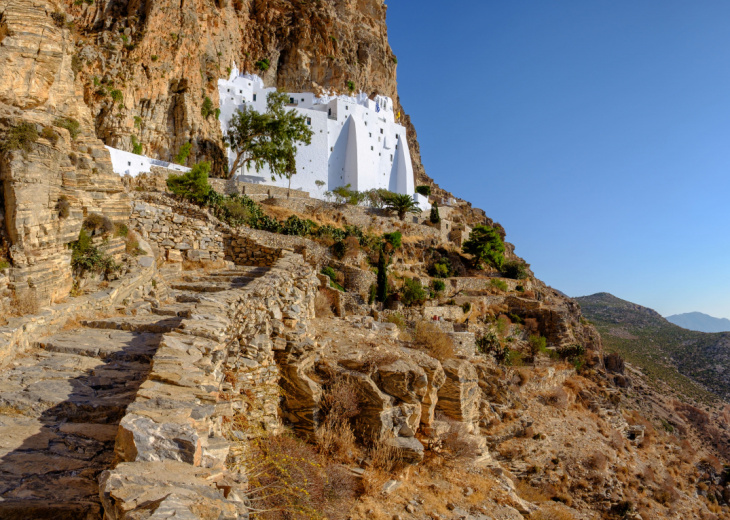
x: 596, y: 132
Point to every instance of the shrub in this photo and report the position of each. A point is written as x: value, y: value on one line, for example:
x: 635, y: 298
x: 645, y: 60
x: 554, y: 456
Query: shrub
x: 120, y: 230
x: 117, y: 96
x: 433, y: 340
x: 412, y: 292
x: 183, y: 153
x: 98, y: 222
x: 344, y: 195
x: 372, y: 293
x: 49, y: 134
x: 424, y: 190
x: 339, y: 404
x: 486, y: 245
x: 20, y: 137
x: 398, y: 320
x: 87, y: 257
x: 192, y: 185
x: 297, y: 226
x: 25, y: 301
x: 154, y: 57
x: 557, y: 397
x: 614, y: 363
x: 70, y: 124
x: 434, y: 218
x: 515, y: 270
x: 64, y: 207
x: 136, y: 145
x: 394, y: 239
x: 466, y: 307
x: 207, y: 109
x: 332, y: 232
x: 266, y: 223
x: 442, y: 268
x: 498, y: 284
x: 490, y: 344
x: 438, y: 286
x: 263, y: 64
x: 59, y: 19
x: 131, y: 244
x: 458, y: 443
x: 537, y: 344
x: 4, y: 264
x: 350, y: 85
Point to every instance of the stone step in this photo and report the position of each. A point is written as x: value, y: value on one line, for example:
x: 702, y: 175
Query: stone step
x: 54, y: 507
x: 204, y: 287
x: 232, y: 279
x: 104, y: 344
x: 150, y: 323
x: 181, y: 310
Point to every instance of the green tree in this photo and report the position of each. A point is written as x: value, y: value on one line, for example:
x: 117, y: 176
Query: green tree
x: 435, y: 218
x: 486, y: 245
x: 268, y: 138
x: 192, y: 185
x: 401, y: 204
x: 424, y: 190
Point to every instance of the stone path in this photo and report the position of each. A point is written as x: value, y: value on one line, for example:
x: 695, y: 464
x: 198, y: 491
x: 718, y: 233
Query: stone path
x: 61, y: 403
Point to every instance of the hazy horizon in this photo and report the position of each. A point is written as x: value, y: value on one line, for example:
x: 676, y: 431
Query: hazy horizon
x: 596, y: 133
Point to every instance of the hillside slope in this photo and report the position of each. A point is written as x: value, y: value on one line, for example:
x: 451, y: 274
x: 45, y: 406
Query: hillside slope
x: 688, y: 360
x: 700, y: 322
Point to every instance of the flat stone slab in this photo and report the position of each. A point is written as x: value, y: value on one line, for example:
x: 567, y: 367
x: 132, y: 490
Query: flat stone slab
x: 104, y: 344
x: 151, y: 323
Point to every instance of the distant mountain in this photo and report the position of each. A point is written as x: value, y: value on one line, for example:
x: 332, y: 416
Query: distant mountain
x: 700, y: 322
x: 689, y: 361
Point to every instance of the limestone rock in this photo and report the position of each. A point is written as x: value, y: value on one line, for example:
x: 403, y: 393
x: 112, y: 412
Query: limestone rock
x: 459, y: 396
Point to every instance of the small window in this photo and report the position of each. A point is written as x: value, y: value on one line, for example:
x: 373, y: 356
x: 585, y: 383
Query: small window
x: 302, y: 100
x: 254, y: 97
x: 378, y: 139
x: 370, y: 134
x: 397, y: 136
x: 347, y: 108
x: 391, y: 157
x: 372, y: 148
x: 329, y: 112
x: 309, y: 121
x: 366, y: 123
x: 240, y: 91
x: 228, y: 90
x: 381, y: 130
x: 332, y: 148
x: 396, y: 147
x: 129, y: 163
x: 291, y: 100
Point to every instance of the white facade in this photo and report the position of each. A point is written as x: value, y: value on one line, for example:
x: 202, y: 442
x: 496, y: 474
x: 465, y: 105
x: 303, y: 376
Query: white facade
x: 127, y: 163
x: 355, y: 140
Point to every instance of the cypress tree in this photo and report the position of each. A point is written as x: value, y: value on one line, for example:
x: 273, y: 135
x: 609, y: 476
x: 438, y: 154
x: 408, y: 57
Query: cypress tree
x: 435, y: 218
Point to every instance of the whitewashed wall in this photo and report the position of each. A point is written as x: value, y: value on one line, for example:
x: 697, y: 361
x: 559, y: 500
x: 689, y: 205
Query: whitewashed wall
x: 127, y: 163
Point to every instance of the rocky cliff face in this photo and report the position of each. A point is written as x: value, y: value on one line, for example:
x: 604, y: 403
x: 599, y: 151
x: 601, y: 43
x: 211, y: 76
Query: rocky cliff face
x: 37, y: 87
x: 146, y: 68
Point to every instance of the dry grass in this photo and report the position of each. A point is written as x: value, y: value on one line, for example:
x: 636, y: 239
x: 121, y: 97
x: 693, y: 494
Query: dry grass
x: 384, y: 461
x: 24, y: 302
x: 323, y: 304
x: 6, y: 409
x: 557, y: 398
x: 339, y: 404
x: 596, y: 461
x: 430, y: 338
x: 552, y: 512
x: 459, y: 444
x: 72, y: 323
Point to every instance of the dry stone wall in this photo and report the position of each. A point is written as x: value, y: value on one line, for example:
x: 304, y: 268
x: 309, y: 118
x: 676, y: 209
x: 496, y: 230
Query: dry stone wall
x: 219, y: 362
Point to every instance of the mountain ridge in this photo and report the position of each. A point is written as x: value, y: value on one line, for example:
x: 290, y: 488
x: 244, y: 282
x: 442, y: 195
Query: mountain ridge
x: 700, y: 322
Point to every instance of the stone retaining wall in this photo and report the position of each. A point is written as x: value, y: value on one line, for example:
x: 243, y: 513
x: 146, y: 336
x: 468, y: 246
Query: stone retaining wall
x: 219, y: 362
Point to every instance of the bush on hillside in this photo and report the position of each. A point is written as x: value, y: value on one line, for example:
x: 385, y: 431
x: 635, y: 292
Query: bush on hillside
x: 412, y: 292
x: 192, y: 185
x: 486, y: 245
x: 70, y: 124
x: 424, y: 190
x: 20, y: 137
x: 514, y: 269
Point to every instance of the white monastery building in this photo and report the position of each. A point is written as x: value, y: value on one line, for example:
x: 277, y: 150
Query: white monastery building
x: 355, y: 140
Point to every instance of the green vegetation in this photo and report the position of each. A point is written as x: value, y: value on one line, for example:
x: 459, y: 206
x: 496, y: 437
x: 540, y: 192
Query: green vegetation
x: 344, y: 195
x: 412, y: 292
x: 514, y: 269
x: 435, y: 218
x: 263, y: 64
x: 183, y: 154
x: 442, y: 268
x: 538, y: 344
x: 137, y: 122
x: 192, y: 185
x: 669, y: 355
x: 486, y: 245
x: 438, y: 286
x: 332, y: 275
x: 117, y: 96
x: 97, y: 222
x: 401, y: 204
x: 268, y: 138
x: 207, y: 109
x: 136, y: 145
x: 298, y: 227
x: 19, y: 137
x: 70, y: 124
x: 49, y: 134
x: 86, y: 257
x: 154, y: 57
x: 498, y: 284
x: 350, y: 85
x: 424, y: 189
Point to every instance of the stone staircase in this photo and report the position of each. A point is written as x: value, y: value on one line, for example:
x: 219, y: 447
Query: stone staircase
x: 62, y: 401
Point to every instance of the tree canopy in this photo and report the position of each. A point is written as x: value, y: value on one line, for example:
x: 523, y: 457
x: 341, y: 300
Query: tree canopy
x: 268, y: 138
x: 486, y: 245
x: 401, y: 204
